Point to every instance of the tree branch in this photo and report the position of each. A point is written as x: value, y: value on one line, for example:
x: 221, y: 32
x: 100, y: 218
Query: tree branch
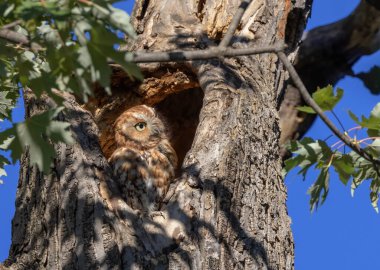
x: 11, y: 25
x: 13, y: 36
x: 18, y: 38
x: 310, y: 101
x: 234, y: 24
x: 177, y: 56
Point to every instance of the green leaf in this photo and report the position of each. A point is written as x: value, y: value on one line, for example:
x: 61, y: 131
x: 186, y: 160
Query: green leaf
x: 6, y: 105
x: 307, y: 153
x: 3, y: 161
x: 291, y: 163
x: 364, y: 170
x: 43, y: 83
x: 33, y: 133
x: 305, y: 157
x: 371, y: 79
x: 374, y: 195
x: 319, y: 190
x: 374, y: 148
x: 29, y: 10
x: 372, y: 123
x: 6, y: 8
x: 122, y: 58
x: 354, y: 117
x: 5, y: 143
x: 8, y: 88
x: 325, y: 99
x: 120, y: 19
x: 344, y: 166
x: 306, y: 109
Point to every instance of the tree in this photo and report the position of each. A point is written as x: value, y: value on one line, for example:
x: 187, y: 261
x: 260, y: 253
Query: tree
x: 228, y: 206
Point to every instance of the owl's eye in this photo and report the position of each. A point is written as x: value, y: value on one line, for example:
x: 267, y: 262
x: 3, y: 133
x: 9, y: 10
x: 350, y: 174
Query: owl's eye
x: 140, y: 126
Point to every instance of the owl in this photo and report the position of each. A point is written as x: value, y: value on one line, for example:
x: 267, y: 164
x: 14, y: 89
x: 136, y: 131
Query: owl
x: 144, y: 162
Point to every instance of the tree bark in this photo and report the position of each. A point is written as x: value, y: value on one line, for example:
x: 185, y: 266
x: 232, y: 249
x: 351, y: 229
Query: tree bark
x: 226, y: 210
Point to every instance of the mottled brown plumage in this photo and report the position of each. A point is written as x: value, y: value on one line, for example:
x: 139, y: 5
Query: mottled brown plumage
x: 144, y: 161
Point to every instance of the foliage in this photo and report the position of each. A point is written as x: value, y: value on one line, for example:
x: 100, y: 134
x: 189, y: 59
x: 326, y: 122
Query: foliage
x: 325, y: 98
x: 70, y: 45
x: 31, y: 134
x: 309, y: 153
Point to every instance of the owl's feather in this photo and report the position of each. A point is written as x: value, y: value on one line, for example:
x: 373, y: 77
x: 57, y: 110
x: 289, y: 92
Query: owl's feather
x: 144, y: 162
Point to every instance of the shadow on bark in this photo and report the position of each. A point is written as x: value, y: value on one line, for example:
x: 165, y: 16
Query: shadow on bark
x: 64, y: 222
x: 76, y: 228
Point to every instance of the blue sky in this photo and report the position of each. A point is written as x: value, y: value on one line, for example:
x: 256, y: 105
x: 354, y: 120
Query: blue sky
x: 343, y: 233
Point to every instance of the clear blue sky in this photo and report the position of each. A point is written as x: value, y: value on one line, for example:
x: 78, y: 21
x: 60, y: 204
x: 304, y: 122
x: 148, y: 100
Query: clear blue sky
x: 344, y: 232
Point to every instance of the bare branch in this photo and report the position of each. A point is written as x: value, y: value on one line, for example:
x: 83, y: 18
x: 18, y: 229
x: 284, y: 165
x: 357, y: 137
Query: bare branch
x: 18, y: 38
x: 14, y: 37
x: 234, y: 24
x: 11, y: 25
x: 309, y: 100
x: 177, y: 56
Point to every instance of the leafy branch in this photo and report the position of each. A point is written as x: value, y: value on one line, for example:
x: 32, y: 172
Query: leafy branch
x: 48, y: 45
x: 310, y: 153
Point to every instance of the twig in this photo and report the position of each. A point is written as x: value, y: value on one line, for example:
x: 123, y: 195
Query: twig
x: 337, y: 119
x: 86, y: 2
x: 346, y: 132
x: 354, y: 128
x: 328, y: 137
x: 309, y: 100
x: 337, y: 143
x: 342, y: 144
x: 234, y: 24
x: 367, y: 139
x: 177, y: 56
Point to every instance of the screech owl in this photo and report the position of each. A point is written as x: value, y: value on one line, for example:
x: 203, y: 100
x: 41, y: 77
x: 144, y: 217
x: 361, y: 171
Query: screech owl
x: 144, y: 162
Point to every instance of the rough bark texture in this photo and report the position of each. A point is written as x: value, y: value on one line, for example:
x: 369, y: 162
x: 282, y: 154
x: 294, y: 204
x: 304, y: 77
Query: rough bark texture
x: 60, y: 221
x: 326, y: 55
x: 227, y: 208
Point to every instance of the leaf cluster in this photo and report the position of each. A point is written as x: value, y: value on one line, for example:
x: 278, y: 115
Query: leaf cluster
x: 70, y: 44
x: 309, y: 153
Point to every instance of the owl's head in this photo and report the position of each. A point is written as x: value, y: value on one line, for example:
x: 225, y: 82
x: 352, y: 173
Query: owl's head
x: 139, y: 127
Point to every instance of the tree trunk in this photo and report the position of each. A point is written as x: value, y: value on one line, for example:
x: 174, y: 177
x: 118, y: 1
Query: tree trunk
x: 227, y: 208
